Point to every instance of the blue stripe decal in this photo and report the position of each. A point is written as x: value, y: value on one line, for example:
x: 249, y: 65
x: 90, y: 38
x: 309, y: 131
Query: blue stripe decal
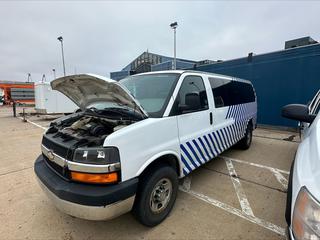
x: 188, y: 155
x: 230, y: 134
x: 205, y: 138
x: 226, y: 137
x: 218, y: 144
x: 222, y: 145
x: 226, y: 129
x: 199, y: 150
x: 204, y: 147
x: 186, y: 164
x: 198, y: 162
x: 233, y: 133
x: 214, y: 145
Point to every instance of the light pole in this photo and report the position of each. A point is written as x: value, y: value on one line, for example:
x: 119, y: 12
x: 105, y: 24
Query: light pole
x: 64, y: 67
x: 54, y: 73
x: 174, y: 27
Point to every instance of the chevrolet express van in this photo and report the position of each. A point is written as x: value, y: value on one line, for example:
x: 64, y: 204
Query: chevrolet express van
x: 303, y: 197
x: 132, y: 140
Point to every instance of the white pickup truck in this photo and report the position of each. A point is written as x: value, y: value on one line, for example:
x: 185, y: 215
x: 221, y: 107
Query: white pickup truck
x: 303, y: 198
x: 133, y: 139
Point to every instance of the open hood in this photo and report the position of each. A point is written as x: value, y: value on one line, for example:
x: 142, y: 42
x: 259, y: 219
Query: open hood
x: 85, y: 89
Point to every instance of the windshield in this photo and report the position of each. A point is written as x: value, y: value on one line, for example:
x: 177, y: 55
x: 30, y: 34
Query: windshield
x: 152, y: 91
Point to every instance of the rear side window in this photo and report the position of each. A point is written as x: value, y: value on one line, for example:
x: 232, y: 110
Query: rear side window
x: 192, y: 87
x: 227, y: 92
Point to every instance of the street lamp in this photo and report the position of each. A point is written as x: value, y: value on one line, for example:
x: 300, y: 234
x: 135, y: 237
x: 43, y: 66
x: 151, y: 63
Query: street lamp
x: 54, y: 73
x: 174, y: 26
x: 64, y: 67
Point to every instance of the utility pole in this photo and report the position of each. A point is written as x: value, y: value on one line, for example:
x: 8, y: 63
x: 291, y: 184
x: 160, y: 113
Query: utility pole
x: 64, y: 67
x: 43, y: 78
x: 54, y: 73
x: 174, y: 27
x: 29, y: 78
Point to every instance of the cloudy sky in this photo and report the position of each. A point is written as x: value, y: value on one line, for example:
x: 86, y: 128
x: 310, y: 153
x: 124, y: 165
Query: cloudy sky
x: 104, y: 36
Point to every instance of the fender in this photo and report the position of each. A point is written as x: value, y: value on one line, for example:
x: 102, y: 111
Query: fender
x: 155, y: 157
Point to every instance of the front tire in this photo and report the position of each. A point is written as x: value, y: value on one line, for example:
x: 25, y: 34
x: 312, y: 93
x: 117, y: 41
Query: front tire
x: 156, y: 195
x: 245, y: 142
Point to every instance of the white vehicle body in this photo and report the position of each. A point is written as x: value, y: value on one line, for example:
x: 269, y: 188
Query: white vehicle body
x: 182, y: 135
x: 304, y: 180
x: 191, y: 138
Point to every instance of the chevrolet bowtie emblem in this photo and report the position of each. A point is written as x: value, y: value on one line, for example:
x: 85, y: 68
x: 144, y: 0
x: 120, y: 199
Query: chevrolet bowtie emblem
x: 50, y: 155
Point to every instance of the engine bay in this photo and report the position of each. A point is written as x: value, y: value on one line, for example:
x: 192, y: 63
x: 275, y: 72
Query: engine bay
x: 84, y: 130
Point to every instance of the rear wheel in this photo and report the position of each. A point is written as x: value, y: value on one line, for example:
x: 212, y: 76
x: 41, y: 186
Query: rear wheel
x: 156, y: 195
x: 245, y: 142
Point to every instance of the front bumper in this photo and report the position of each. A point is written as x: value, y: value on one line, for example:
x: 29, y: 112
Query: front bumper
x: 92, y: 202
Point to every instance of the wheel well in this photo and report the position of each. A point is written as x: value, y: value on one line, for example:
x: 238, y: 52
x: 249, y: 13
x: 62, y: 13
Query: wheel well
x: 169, y: 159
x: 251, y: 123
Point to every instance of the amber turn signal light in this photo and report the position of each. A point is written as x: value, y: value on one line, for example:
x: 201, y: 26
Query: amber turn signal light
x: 94, y: 177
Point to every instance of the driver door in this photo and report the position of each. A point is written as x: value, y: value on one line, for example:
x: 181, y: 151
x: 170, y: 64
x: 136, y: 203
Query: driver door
x: 194, y: 119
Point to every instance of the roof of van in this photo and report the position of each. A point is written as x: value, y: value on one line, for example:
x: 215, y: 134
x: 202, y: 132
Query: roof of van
x: 194, y: 71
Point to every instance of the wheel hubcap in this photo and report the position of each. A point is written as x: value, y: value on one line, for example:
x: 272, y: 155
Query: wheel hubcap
x: 160, y: 195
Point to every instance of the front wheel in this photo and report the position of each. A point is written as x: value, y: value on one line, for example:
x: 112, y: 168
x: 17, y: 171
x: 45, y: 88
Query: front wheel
x: 156, y: 195
x: 245, y: 142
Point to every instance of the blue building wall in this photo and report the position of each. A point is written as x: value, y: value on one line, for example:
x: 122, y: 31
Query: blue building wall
x: 280, y: 78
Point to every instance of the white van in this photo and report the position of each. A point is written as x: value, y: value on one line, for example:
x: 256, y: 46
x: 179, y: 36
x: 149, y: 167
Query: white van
x: 303, y: 198
x: 133, y: 139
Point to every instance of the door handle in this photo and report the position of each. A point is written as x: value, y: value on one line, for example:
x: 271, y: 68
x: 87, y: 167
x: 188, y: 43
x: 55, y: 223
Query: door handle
x: 211, y: 118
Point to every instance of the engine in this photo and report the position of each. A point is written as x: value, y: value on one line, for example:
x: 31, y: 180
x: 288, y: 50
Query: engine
x: 84, y: 130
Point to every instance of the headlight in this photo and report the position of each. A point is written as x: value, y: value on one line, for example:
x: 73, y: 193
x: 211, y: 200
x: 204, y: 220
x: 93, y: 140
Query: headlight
x: 100, y: 156
x: 306, y: 216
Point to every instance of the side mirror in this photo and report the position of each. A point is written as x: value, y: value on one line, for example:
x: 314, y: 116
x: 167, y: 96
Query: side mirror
x: 192, y: 103
x: 297, y: 112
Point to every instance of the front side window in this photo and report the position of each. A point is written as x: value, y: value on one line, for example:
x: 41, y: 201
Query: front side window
x: 152, y: 91
x: 192, y: 96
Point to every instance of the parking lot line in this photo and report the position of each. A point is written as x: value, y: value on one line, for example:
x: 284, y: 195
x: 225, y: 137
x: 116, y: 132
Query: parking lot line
x: 243, y: 200
x: 265, y: 224
x: 44, y: 128
x: 254, y: 164
x: 281, y: 179
x: 14, y: 171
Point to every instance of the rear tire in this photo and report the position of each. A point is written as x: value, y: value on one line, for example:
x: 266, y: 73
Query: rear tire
x: 156, y: 195
x: 245, y: 142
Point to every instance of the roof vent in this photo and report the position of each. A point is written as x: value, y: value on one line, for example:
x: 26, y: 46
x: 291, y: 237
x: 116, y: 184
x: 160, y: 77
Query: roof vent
x: 304, y: 41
